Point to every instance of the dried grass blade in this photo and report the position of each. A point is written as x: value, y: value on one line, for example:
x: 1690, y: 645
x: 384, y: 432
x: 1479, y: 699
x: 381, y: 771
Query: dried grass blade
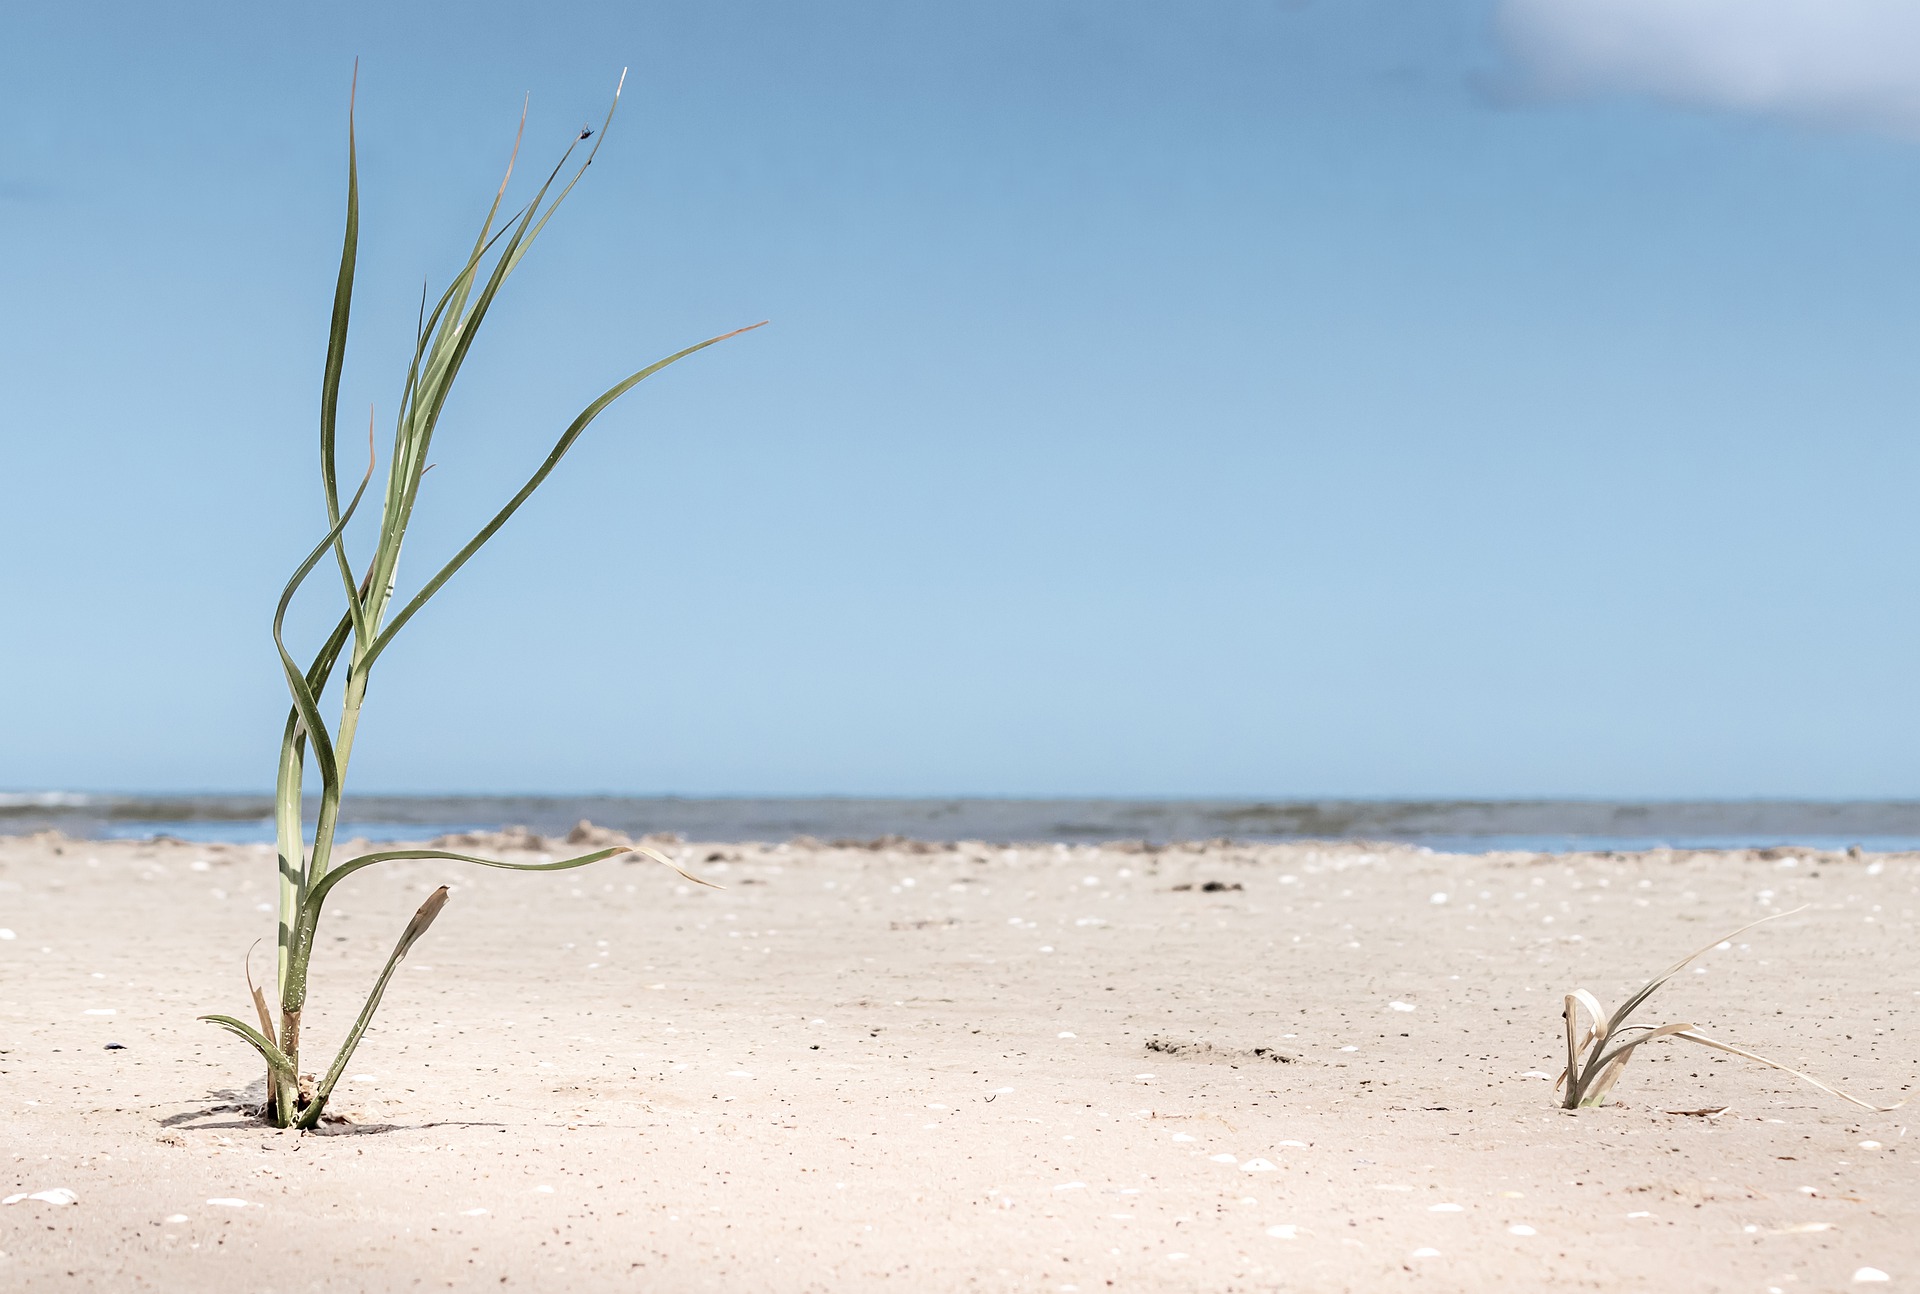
x: 1632, y: 1004
x: 659, y: 857
x: 1691, y: 1036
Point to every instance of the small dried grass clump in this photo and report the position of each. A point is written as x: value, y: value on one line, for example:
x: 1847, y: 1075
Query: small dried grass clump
x: 1598, y: 1054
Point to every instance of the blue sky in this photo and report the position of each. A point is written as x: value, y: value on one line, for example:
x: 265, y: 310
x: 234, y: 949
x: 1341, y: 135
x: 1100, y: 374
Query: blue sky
x: 1281, y: 399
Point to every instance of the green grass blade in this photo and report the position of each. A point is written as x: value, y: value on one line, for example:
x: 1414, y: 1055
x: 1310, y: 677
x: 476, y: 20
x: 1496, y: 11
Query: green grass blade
x: 415, y: 928
x: 409, y: 450
x: 305, y: 700
x: 605, y: 127
x: 336, y: 359
x: 453, y: 338
x: 276, y: 1059
x: 481, y: 243
x: 560, y: 449
x: 326, y: 883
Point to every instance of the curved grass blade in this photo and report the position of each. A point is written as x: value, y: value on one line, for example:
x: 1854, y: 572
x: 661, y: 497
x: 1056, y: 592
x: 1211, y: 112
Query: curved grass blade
x: 1647, y: 990
x: 1692, y: 1036
x: 455, y: 334
x: 259, y: 998
x: 1604, y: 1070
x: 305, y: 700
x: 485, y: 239
x: 560, y: 449
x: 451, y: 343
x: 324, y: 886
x: 276, y: 1059
x: 423, y: 918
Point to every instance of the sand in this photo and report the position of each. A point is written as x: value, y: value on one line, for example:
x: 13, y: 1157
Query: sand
x: 965, y: 1068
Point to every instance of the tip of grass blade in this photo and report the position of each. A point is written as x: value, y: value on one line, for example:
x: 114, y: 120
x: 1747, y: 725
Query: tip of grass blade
x: 659, y: 857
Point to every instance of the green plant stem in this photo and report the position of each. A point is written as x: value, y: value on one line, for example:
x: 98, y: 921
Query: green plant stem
x: 307, y: 873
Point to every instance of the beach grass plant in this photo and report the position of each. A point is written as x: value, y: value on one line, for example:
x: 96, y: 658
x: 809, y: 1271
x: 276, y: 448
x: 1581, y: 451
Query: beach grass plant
x: 374, y: 615
x: 1598, y: 1053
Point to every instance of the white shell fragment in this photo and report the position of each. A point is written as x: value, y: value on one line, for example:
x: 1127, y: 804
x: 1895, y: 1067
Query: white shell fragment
x: 1866, y: 1274
x: 56, y: 1195
x: 1260, y: 1166
x: 227, y: 1202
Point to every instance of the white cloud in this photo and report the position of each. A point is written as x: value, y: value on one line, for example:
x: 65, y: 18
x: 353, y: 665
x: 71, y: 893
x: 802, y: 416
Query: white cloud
x: 1854, y: 62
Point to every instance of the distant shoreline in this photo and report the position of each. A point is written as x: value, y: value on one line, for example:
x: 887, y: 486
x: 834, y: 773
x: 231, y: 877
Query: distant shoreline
x: 1456, y: 825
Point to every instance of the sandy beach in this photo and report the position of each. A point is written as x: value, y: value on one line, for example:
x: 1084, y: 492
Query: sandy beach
x: 1219, y: 1067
